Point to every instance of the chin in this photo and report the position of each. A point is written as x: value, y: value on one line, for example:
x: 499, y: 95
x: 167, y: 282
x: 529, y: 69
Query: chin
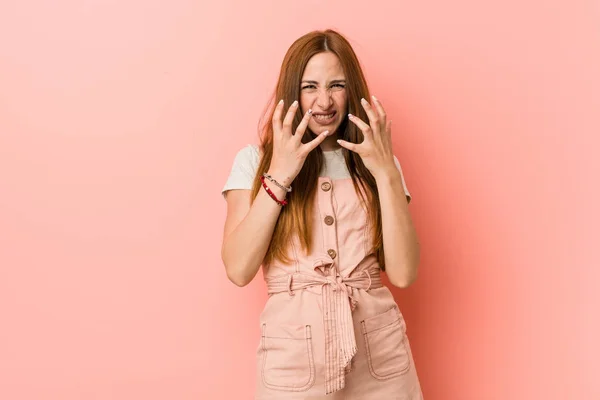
x: 321, y: 128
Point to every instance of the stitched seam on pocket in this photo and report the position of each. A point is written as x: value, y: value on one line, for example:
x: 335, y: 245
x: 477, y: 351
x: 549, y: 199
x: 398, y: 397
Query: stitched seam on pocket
x: 370, y: 358
x: 385, y: 326
x: 311, y: 378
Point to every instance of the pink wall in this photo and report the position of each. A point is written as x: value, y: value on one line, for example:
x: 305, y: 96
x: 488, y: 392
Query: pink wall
x: 118, y: 125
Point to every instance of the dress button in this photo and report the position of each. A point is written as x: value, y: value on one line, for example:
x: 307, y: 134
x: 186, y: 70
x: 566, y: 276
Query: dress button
x: 331, y: 253
x: 325, y: 186
x: 329, y: 220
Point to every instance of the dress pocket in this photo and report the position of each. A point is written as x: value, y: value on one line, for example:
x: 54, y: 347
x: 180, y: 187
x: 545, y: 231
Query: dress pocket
x: 287, y: 363
x: 385, y: 343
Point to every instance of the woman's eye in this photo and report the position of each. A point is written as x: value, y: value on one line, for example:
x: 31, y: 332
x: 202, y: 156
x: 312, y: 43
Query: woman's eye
x: 335, y: 86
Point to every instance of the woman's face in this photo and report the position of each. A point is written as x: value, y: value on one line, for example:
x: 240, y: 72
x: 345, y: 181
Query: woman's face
x: 323, y: 89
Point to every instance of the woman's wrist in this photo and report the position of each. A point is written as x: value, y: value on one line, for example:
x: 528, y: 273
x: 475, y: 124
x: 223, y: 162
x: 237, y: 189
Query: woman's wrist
x: 282, y: 178
x: 388, y: 174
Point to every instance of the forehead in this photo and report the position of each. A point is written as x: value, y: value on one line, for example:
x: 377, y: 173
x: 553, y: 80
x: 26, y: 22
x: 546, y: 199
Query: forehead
x: 323, y: 66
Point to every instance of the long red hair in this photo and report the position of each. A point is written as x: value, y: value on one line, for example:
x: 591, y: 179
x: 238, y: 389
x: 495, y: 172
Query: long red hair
x: 295, y: 218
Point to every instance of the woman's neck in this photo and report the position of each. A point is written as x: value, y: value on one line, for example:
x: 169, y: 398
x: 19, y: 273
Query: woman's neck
x: 330, y: 143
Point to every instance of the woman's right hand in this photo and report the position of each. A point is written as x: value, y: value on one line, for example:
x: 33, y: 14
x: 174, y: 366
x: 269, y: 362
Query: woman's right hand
x: 289, y: 152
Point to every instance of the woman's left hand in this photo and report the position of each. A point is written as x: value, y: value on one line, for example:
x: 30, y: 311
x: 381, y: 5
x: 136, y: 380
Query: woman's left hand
x: 376, y: 148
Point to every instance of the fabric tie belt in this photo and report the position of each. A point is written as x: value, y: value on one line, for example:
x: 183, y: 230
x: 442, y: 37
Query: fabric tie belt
x: 338, y: 304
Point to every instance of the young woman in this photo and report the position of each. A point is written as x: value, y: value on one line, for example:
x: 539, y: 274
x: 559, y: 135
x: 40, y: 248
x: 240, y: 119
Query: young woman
x: 316, y: 204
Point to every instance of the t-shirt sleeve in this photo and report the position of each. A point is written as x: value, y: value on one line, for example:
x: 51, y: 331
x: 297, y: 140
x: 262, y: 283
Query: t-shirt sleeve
x: 408, y: 196
x: 243, y: 170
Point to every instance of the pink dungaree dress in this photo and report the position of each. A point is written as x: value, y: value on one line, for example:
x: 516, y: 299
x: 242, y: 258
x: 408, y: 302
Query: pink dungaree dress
x: 329, y: 329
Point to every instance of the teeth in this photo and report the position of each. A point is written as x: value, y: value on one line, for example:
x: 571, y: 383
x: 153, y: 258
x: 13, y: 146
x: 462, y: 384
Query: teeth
x: 324, y: 116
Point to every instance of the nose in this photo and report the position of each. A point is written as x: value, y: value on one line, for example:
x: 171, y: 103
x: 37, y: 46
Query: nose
x: 324, y: 100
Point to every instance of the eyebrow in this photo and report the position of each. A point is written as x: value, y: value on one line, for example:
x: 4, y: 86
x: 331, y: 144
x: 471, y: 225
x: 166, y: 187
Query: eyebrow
x: 333, y: 81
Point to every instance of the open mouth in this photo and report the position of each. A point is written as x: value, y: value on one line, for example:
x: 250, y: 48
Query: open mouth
x: 324, y: 118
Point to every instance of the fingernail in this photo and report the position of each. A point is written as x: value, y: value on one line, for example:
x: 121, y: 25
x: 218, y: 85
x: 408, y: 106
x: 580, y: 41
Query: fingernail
x: 350, y: 116
x: 325, y: 133
x: 295, y: 103
x: 363, y: 101
x: 310, y: 111
x: 374, y: 98
x: 280, y: 101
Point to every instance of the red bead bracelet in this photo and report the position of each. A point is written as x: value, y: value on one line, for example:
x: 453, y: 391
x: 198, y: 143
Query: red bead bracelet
x: 280, y: 202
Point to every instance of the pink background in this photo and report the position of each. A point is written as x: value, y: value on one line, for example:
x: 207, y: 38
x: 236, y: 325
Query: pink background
x: 118, y: 125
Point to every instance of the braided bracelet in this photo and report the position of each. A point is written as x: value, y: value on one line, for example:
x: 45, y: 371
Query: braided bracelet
x: 269, y: 177
x: 280, y: 202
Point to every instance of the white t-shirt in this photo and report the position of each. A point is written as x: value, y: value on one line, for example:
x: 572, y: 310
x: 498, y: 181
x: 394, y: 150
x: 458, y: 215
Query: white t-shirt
x: 246, y: 161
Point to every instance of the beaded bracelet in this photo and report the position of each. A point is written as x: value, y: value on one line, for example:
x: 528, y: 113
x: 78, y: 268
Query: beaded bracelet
x: 269, y: 177
x: 280, y: 202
